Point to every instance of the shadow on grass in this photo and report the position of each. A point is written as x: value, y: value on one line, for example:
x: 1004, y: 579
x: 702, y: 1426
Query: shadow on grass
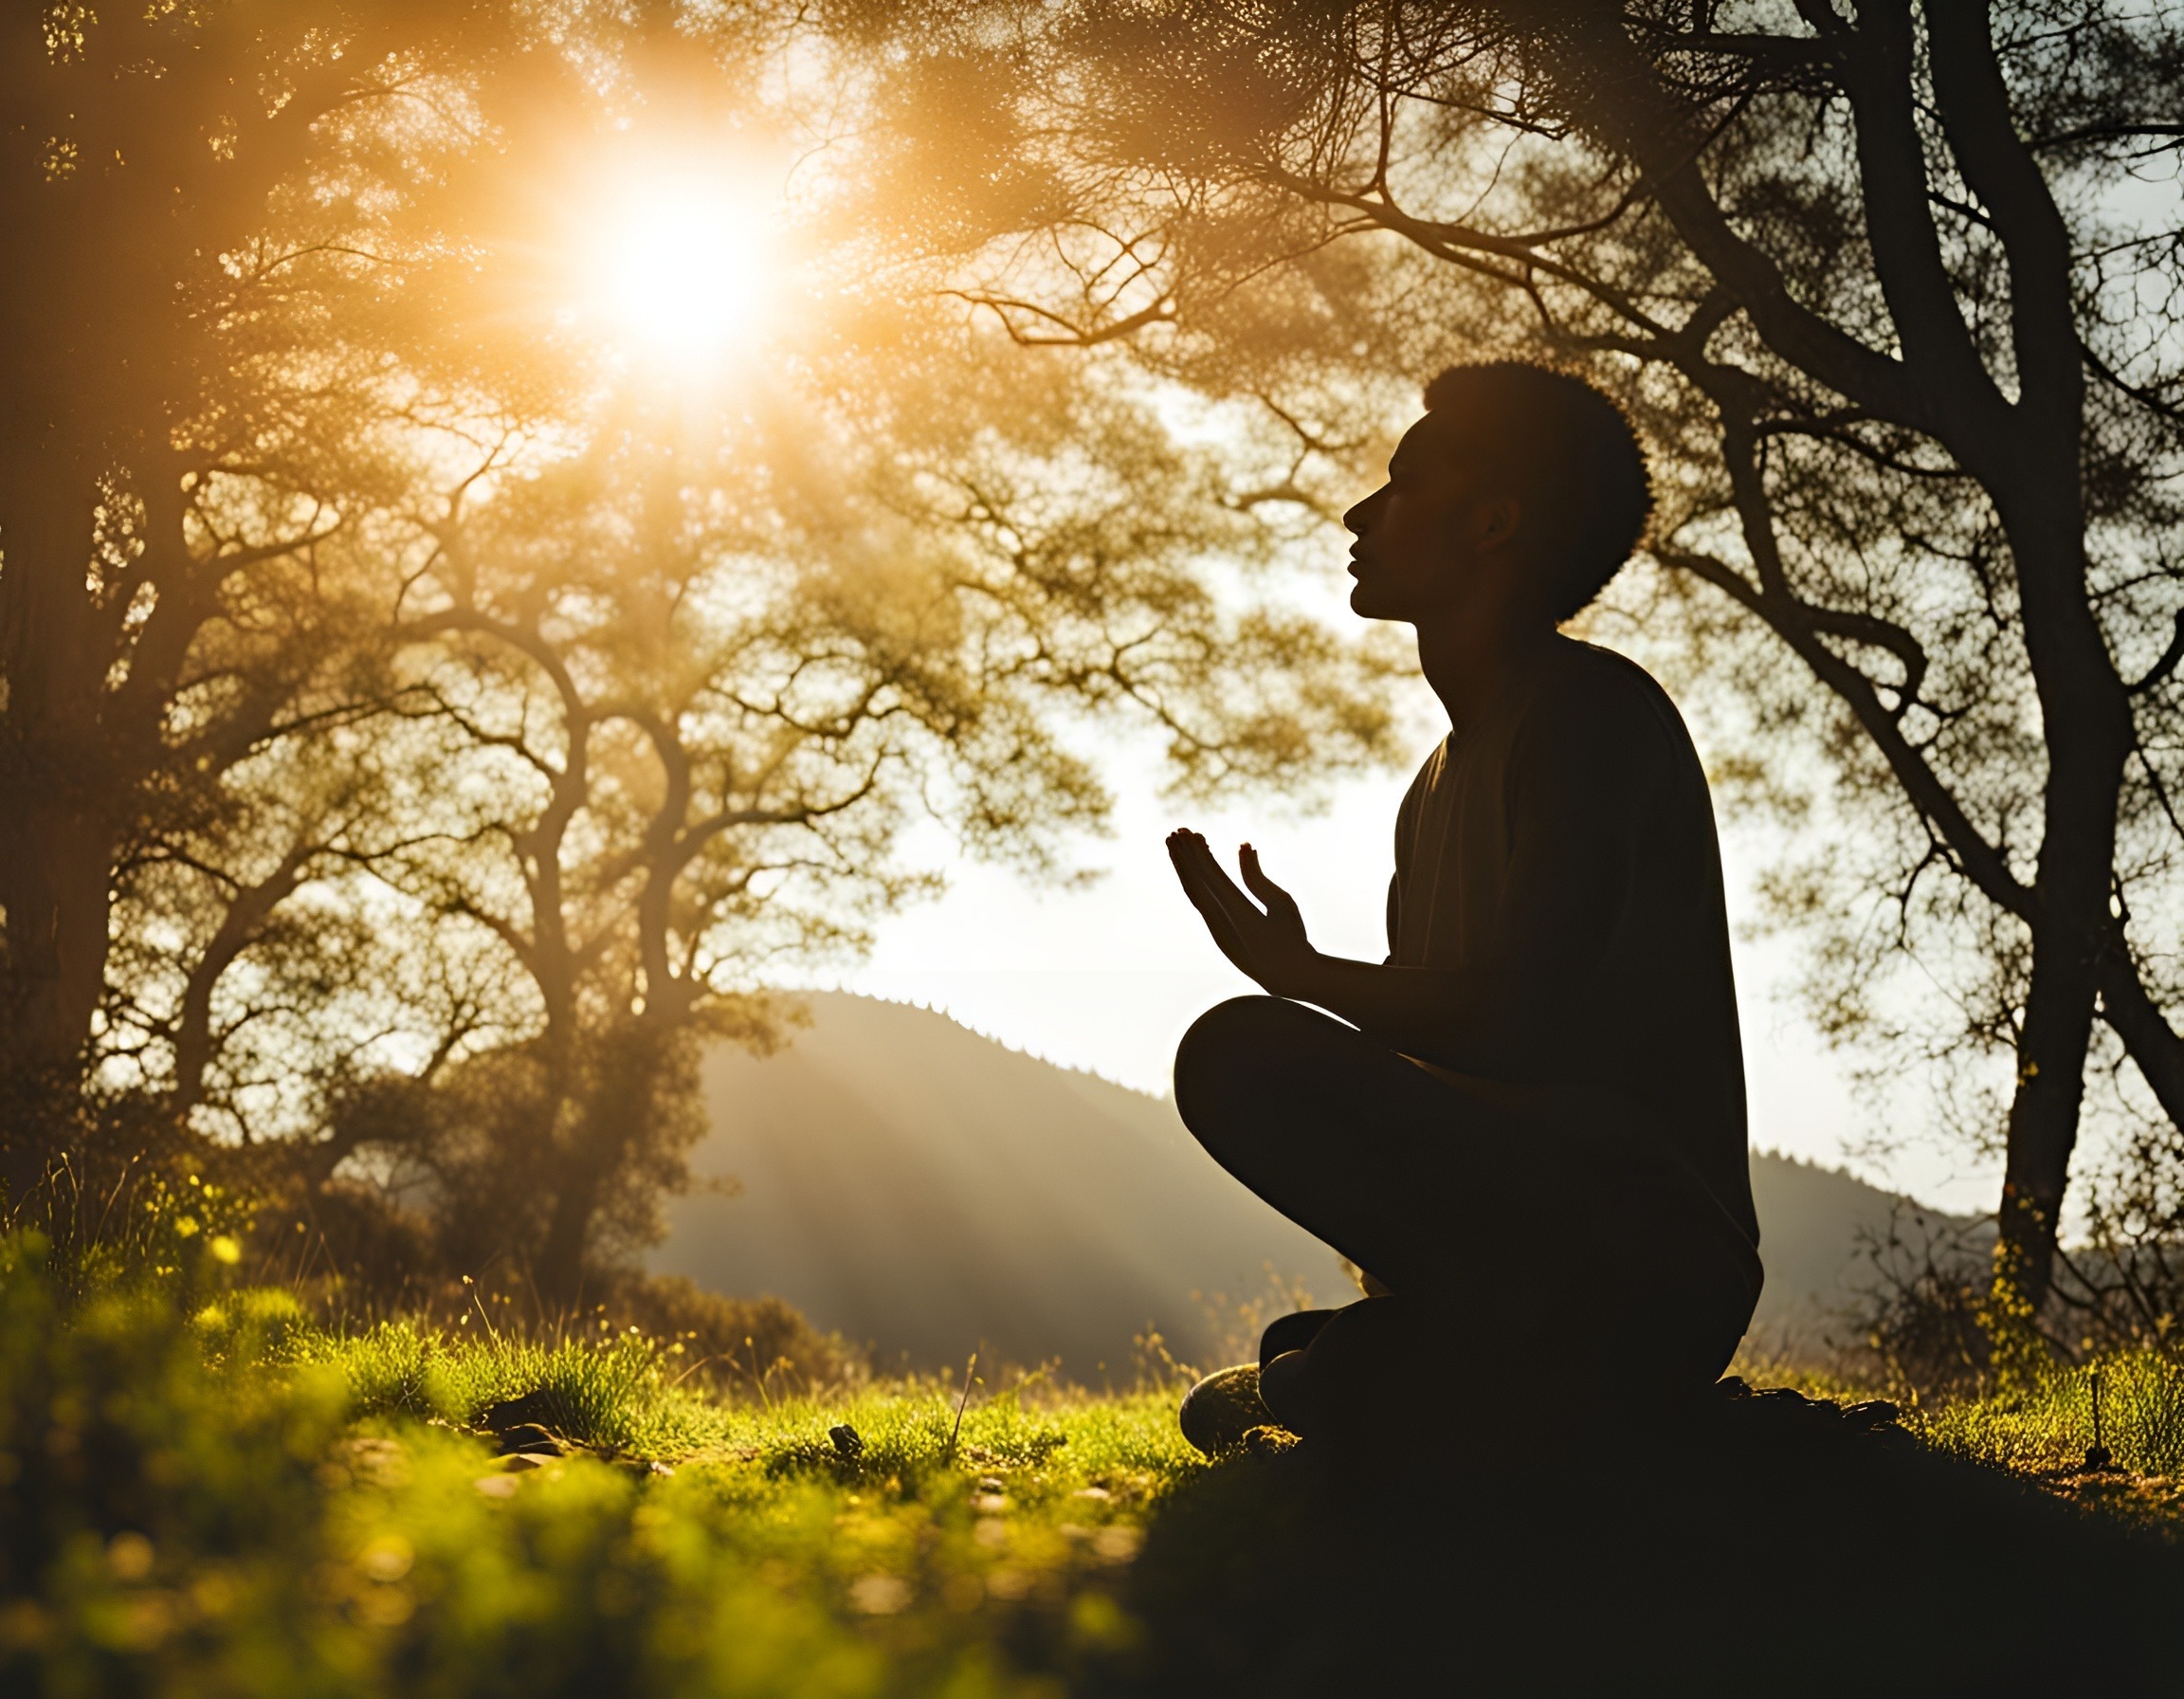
x: 1751, y: 1551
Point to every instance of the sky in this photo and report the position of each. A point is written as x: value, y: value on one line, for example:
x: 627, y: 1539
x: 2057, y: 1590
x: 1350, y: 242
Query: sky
x: 1106, y: 979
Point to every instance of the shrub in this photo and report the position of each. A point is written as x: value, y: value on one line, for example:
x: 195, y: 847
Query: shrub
x: 743, y: 1346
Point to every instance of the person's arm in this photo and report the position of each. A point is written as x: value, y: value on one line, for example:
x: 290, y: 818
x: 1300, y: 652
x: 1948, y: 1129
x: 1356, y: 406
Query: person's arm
x: 1575, y: 809
x: 1401, y: 1006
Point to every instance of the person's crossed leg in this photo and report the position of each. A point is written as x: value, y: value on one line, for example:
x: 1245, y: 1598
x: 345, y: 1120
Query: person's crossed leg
x: 1507, y: 1248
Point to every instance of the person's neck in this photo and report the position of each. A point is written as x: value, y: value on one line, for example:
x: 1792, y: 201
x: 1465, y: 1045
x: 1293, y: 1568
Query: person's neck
x: 1470, y: 664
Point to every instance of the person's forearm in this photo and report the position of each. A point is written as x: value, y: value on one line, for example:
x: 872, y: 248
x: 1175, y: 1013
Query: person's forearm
x: 1416, y: 1010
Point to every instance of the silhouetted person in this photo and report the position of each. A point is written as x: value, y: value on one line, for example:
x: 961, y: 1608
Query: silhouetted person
x: 1527, y: 1126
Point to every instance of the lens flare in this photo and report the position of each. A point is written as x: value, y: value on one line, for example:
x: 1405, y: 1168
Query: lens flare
x: 688, y: 267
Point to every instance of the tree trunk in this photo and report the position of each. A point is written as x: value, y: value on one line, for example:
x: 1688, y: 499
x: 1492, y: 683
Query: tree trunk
x: 563, y: 1259
x: 2043, y: 1127
x: 2087, y: 722
x: 59, y: 832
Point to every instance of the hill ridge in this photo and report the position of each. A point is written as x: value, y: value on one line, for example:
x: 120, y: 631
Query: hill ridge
x: 929, y: 1189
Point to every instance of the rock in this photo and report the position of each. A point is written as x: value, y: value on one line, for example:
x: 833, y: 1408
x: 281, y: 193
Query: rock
x: 1219, y: 1413
x: 1873, y: 1413
x: 540, y: 1407
x: 849, y: 1443
x: 526, y: 1437
x: 373, y: 1462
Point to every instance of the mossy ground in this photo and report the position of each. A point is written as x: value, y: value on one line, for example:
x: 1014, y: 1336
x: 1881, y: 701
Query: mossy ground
x: 205, y: 1493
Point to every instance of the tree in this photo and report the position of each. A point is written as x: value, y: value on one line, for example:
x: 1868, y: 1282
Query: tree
x: 1892, y: 292
x: 683, y: 692
x: 214, y: 244
x: 524, y: 706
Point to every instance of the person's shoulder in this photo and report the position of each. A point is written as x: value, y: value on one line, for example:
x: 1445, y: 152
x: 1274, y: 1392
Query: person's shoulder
x: 1606, y: 698
x: 1427, y: 776
x: 1581, y: 668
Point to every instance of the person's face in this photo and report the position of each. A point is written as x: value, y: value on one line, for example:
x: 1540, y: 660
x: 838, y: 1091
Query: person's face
x: 1431, y: 542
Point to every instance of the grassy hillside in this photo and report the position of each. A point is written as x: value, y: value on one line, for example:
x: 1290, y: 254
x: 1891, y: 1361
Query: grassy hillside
x: 915, y: 1185
x: 908, y: 1182
x: 208, y: 1494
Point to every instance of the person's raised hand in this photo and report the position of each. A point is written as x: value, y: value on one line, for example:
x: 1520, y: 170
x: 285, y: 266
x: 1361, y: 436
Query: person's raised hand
x: 1267, y: 945
x: 1281, y: 906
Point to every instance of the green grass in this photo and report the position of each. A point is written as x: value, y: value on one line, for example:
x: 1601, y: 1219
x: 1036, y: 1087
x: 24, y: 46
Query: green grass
x: 204, y: 1494
x: 201, y: 1492
x: 2047, y: 1428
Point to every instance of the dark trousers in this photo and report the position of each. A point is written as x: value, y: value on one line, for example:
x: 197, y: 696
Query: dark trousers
x: 1522, y: 1245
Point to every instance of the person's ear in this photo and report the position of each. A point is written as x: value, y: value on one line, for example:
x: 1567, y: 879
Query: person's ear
x: 1496, y: 520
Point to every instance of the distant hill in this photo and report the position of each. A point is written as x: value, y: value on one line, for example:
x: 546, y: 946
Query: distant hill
x: 928, y: 1190
x: 1815, y: 1224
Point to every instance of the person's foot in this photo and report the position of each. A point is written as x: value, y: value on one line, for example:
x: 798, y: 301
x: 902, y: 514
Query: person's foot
x: 1281, y: 1390
x: 1221, y: 1410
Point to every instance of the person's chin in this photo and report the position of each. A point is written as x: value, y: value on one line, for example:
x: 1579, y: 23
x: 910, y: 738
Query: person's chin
x: 1367, y: 606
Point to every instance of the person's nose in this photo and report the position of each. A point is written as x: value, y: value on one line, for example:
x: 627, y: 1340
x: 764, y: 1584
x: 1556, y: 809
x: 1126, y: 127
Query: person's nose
x: 1360, y: 519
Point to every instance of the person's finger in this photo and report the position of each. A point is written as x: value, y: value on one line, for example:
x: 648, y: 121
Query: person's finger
x: 1193, y: 865
x: 1279, y: 901
x: 1237, y: 927
x: 1193, y: 860
x: 1224, y: 890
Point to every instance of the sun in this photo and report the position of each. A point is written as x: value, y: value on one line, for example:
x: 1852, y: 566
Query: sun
x: 686, y: 267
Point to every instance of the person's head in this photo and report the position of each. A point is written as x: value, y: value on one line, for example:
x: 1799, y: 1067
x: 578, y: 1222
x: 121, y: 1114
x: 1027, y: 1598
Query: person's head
x: 1517, y: 497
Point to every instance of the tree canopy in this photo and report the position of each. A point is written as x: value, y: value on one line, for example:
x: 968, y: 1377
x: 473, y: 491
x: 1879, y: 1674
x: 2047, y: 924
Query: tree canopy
x: 440, y: 691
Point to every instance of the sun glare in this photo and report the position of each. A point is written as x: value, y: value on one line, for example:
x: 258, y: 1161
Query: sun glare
x: 688, y: 269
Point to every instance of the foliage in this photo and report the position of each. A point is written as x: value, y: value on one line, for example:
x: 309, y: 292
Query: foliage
x: 427, y: 723
x: 221, y: 1497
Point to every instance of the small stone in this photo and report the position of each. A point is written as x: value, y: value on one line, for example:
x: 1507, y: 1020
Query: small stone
x: 1117, y: 1543
x: 849, y: 1444
x: 374, y: 1462
x: 526, y: 1437
x: 540, y: 1409
x: 879, y: 1595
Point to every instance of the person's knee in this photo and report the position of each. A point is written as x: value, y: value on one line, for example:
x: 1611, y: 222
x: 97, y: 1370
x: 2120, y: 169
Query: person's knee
x: 1221, y: 1056
x: 1292, y: 1332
